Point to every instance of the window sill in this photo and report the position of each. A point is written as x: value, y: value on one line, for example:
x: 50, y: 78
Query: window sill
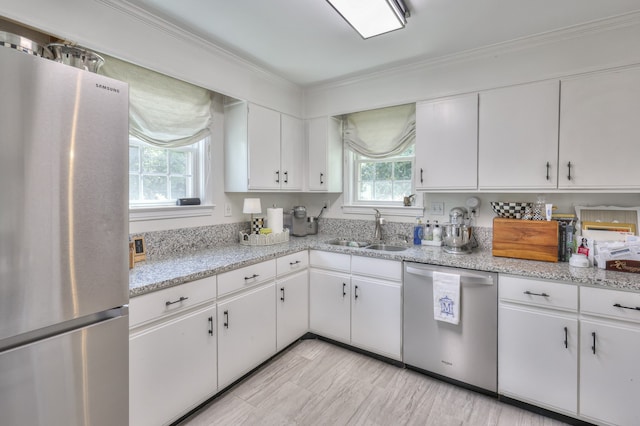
x: 411, y: 211
x: 137, y: 214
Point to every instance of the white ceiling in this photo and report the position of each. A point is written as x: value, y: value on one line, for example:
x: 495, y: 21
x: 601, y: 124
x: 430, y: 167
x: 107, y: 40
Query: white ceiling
x: 307, y: 42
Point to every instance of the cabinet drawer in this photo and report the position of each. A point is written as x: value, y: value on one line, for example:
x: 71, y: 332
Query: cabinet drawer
x: 327, y: 260
x: 536, y: 292
x: 248, y: 276
x: 154, y: 305
x: 378, y: 268
x: 292, y: 263
x: 611, y: 303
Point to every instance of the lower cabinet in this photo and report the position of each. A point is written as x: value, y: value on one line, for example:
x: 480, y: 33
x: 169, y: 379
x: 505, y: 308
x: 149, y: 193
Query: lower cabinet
x: 172, y: 367
x: 538, y: 343
x: 292, y: 308
x: 246, y: 332
x: 330, y: 304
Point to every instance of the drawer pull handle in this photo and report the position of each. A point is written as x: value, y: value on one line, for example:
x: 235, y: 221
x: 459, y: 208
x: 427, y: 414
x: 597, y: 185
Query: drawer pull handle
x: 226, y: 319
x: 536, y: 294
x: 251, y: 277
x: 286, y: 177
x: 617, y: 305
x: 421, y: 175
x: 321, y: 178
x: 210, y: 326
x: 282, y: 291
x: 294, y: 263
x: 566, y: 337
x: 569, y: 168
x: 277, y: 176
x: 548, y: 165
x: 181, y: 299
x: 593, y: 348
x: 344, y: 293
x: 355, y: 292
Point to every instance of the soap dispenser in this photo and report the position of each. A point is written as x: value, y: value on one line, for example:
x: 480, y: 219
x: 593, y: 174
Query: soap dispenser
x: 418, y: 232
x: 437, y: 232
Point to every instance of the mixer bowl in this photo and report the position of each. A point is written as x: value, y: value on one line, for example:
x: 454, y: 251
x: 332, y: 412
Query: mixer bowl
x: 456, y: 237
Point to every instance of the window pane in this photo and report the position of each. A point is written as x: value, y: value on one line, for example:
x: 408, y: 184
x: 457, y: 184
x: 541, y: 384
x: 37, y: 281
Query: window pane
x: 400, y: 190
x: 367, y: 171
x: 382, y: 191
x: 155, y: 187
x: 365, y: 191
x: 154, y: 160
x: 178, y: 187
x: 134, y: 159
x: 178, y: 162
x: 384, y: 171
x: 134, y: 187
x: 402, y: 170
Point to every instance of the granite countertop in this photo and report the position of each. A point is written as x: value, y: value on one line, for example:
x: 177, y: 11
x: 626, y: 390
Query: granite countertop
x: 158, y: 274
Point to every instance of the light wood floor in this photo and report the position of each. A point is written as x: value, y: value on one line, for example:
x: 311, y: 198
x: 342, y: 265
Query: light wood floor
x: 318, y: 383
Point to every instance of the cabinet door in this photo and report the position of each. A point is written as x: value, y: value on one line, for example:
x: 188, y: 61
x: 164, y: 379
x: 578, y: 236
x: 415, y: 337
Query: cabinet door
x: 534, y: 362
x: 518, y: 137
x: 172, y: 367
x: 610, y: 377
x: 292, y: 298
x: 246, y: 332
x: 599, y: 130
x: 291, y: 153
x: 264, y: 148
x: 376, y: 316
x: 447, y: 144
x: 329, y: 304
x: 324, y: 154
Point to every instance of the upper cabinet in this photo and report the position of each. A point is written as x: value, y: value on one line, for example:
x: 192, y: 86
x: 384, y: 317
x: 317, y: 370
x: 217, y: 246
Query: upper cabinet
x: 600, y: 131
x: 446, y: 144
x: 263, y: 149
x: 518, y: 137
x: 324, y: 154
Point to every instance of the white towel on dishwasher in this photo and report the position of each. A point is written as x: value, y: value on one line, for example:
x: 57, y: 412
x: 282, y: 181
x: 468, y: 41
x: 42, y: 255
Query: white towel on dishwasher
x: 446, y: 297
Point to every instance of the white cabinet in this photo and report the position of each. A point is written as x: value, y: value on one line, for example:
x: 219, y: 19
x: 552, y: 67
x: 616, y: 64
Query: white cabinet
x: 363, y: 308
x: 518, y: 137
x: 292, y: 298
x: 599, y: 131
x: 538, y: 343
x: 329, y: 304
x: 324, y: 154
x: 263, y: 149
x: 447, y: 129
x: 609, y: 368
x: 172, y: 352
x: 246, y: 332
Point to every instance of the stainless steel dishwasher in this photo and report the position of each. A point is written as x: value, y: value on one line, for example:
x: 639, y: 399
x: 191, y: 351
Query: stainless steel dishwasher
x: 466, y: 352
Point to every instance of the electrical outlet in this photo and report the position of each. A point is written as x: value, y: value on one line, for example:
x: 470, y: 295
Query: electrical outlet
x: 437, y: 208
x: 227, y: 209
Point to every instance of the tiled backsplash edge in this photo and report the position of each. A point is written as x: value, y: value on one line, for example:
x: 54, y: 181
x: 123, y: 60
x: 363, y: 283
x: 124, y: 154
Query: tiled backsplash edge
x: 161, y: 244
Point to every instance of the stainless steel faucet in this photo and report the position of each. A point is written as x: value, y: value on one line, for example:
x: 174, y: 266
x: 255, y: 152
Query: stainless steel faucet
x: 379, y: 221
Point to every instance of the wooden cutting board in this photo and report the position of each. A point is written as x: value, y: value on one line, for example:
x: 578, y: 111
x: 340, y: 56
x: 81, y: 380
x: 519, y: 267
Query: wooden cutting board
x: 525, y: 239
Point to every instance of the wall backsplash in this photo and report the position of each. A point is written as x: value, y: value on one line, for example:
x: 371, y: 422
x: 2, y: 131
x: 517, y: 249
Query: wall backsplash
x: 162, y: 244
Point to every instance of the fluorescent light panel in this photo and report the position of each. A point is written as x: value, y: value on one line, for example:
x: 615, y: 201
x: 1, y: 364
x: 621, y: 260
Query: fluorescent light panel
x: 370, y: 17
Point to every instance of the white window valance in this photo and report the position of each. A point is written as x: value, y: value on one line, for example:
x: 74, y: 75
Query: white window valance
x: 163, y: 111
x: 381, y: 133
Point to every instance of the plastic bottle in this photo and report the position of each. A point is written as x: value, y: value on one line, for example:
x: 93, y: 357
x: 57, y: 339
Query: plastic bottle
x: 428, y: 232
x: 437, y: 232
x: 418, y: 232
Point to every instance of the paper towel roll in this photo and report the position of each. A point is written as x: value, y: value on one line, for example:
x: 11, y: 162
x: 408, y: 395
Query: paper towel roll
x: 274, y: 219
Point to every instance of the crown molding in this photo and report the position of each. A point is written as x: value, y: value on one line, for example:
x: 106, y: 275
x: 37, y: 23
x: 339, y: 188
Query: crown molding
x: 497, y: 49
x: 167, y: 27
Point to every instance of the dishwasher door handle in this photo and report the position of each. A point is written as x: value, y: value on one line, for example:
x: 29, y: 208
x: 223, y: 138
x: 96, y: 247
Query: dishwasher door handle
x: 477, y: 278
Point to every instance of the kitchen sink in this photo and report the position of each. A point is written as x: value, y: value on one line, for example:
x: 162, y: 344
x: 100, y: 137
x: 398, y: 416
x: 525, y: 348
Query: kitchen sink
x: 386, y: 247
x: 348, y: 243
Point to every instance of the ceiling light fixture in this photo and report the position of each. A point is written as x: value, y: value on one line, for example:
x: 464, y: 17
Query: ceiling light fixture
x: 371, y: 18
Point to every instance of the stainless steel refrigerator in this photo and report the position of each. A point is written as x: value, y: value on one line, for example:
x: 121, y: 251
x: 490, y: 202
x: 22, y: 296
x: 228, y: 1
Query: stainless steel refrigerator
x: 63, y: 244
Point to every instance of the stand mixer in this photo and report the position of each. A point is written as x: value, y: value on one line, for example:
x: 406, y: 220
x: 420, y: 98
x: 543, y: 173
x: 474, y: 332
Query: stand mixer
x: 457, y: 233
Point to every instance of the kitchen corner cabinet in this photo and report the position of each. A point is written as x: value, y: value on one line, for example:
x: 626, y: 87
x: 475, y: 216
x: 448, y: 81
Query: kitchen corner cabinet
x: 263, y: 149
x: 362, y: 308
x: 538, y: 343
x: 447, y: 128
x: 609, y: 348
x: 518, y: 137
x: 324, y: 154
x: 599, y: 131
x: 292, y: 298
x: 172, y: 352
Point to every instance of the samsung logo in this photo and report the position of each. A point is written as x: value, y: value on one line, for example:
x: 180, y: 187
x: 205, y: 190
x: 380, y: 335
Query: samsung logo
x: 107, y: 88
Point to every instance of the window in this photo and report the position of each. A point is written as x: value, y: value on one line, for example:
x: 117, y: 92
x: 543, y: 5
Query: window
x: 386, y: 180
x: 159, y: 176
